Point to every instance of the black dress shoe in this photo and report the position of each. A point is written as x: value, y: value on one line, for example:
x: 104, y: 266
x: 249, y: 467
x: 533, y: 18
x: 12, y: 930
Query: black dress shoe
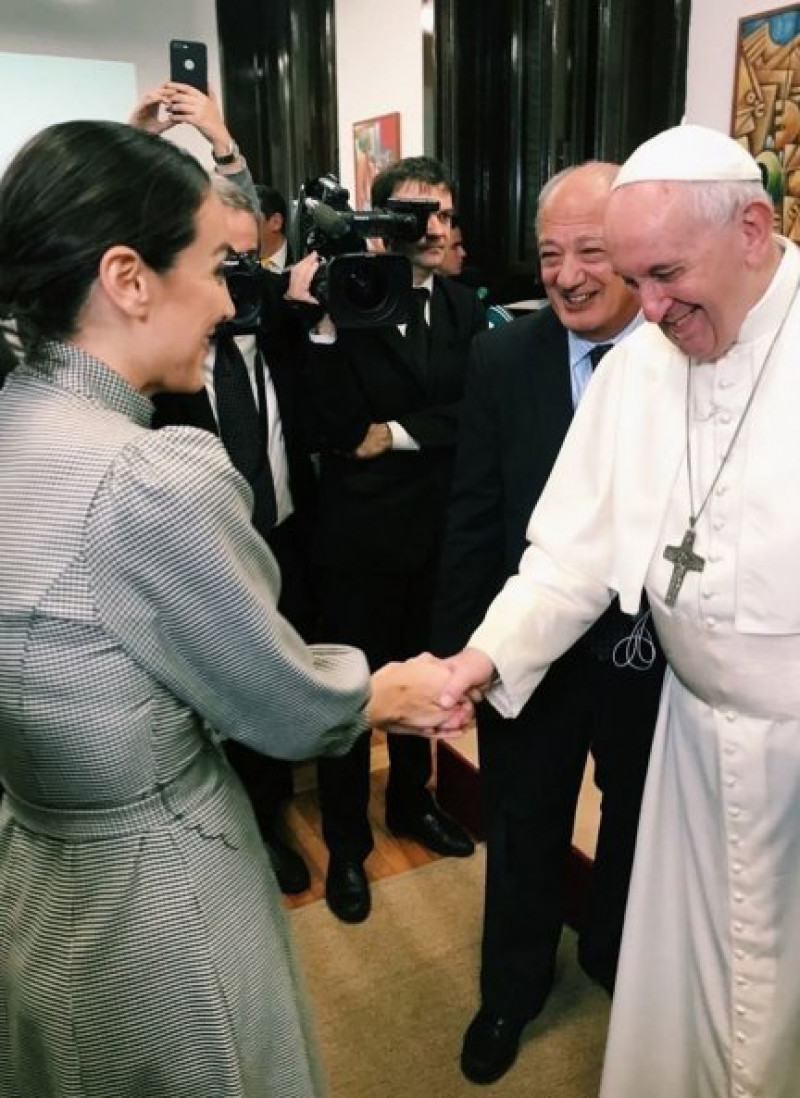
x: 289, y: 868
x: 347, y: 890
x: 434, y: 829
x: 490, y: 1046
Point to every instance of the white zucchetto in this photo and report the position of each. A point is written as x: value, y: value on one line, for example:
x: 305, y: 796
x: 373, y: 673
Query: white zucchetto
x: 688, y: 153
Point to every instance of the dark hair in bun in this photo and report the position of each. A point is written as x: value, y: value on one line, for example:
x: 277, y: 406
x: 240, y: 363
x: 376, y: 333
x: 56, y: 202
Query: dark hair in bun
x: 72, y: 192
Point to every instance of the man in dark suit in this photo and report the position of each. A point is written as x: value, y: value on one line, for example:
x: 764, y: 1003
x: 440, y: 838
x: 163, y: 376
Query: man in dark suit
x: 274, y: 248
x: 455, y: 253
x: 387, y: 401
x: 525, y: 380
x: 277, y: 463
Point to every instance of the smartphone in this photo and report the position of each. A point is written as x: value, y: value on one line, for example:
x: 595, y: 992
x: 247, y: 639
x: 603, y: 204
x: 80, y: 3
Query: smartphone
x: 188, y: 64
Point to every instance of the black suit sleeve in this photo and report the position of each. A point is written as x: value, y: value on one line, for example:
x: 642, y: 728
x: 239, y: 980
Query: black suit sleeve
x: 433, y: 428
x: 472, y: 562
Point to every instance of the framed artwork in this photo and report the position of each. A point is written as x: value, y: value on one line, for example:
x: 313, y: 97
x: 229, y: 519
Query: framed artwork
x: 766, y: 107
x: 376, y: 143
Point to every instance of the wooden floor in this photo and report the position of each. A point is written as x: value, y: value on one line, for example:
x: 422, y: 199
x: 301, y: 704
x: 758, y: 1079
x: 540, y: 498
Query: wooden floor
x: 391, y: 854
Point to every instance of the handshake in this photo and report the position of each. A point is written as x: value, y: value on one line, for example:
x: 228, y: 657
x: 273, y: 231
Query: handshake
x: 426, y: 696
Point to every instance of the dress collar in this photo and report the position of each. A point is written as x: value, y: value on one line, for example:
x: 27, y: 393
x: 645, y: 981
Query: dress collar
x: 74, y: 369
x: 767, y: 314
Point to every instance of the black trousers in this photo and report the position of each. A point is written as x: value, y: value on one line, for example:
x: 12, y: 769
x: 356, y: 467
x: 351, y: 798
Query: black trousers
x: 530, y: 774
x: 387, y: 615
x: 268, y: 781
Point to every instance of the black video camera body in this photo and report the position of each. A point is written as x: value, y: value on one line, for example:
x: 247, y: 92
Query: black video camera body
x: 244, y: 276
x: 358, y: 288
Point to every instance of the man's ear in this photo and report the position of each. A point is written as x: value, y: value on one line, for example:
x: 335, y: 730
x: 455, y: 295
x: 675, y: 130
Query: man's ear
x: 757, y: 228
x: 125, y: 280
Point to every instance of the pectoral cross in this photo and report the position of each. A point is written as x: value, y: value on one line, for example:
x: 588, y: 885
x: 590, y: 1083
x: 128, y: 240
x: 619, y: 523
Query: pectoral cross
x: 683, y: 560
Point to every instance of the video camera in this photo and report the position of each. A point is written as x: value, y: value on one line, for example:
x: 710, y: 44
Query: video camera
x: 244, y: 276
x: 358, y: 288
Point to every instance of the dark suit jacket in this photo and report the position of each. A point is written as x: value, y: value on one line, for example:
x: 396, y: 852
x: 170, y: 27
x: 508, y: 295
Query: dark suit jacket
x: 516, y: 411
x: 282, y: 349
x: 8, y: 360
x: 387, y: 513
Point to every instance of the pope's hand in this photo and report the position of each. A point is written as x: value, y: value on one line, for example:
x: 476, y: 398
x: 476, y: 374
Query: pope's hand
x: 471, y: 675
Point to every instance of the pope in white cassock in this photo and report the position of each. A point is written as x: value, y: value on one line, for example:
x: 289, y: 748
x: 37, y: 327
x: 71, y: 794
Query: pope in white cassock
x: 681, y: 475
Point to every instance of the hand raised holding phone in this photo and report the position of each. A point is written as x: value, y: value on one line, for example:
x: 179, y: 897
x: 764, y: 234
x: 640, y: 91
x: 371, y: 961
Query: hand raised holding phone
x: 172, y: 103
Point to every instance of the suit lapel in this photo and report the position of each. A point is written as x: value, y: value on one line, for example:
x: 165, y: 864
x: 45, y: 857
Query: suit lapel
x: 273, y: 363
x: 444, y: 342
x: 550, y: 373
x: 443, y: 316
x: 398, y: 348
x: 393, y: 346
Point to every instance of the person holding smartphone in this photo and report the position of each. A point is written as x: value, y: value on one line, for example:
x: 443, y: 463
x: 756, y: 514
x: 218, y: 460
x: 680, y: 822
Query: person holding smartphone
x: 171, y: 103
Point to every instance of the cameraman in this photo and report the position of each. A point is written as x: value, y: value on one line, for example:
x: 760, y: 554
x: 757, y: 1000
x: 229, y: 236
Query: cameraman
x: 387, y: 402
x: 250, y: 400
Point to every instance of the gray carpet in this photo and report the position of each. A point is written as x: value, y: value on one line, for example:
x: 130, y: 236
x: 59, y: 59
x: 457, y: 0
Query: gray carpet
x: 391, y: 997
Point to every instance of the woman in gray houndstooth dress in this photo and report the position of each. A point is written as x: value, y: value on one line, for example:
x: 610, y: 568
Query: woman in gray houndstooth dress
x: 143, y: 949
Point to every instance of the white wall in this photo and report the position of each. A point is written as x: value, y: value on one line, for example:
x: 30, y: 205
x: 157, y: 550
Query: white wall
x: 134, y: 31
x: 378, y: 71
x: 379, y: 53
x: 712, y: 55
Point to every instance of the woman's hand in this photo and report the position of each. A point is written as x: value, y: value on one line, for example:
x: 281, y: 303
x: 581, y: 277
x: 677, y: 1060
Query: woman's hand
x: 405, y: 698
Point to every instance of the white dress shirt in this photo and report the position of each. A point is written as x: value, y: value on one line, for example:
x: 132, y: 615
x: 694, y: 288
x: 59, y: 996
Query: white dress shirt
x: 277, y: 261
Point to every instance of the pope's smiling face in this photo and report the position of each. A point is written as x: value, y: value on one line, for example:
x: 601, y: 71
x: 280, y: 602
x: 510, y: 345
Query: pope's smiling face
x: 694, y: 276
x: 586, y: 294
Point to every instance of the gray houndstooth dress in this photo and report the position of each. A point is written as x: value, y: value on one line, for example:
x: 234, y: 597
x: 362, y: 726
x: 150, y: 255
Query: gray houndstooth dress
x: 143, y: 948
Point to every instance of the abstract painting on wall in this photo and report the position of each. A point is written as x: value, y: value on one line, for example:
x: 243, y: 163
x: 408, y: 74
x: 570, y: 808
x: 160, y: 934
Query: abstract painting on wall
x: 377, y: 145
x: 766, y: 107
